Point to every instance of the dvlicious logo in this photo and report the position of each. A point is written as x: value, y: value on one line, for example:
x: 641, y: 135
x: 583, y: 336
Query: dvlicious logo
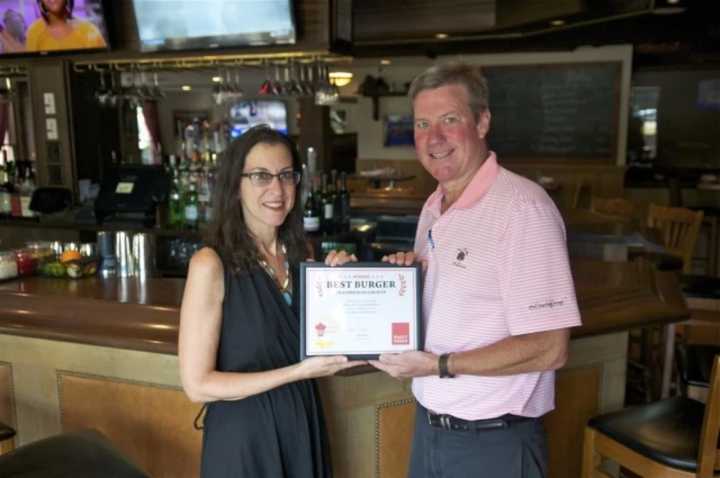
x: 462, y: 254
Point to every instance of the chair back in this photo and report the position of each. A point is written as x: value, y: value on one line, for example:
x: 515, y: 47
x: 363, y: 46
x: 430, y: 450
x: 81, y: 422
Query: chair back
x: 708, y: 449
x: 679, y: 228
x: 620, y: 208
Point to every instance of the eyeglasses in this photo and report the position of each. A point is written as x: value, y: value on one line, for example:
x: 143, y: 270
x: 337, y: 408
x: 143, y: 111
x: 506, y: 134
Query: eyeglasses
x: 263, y: 178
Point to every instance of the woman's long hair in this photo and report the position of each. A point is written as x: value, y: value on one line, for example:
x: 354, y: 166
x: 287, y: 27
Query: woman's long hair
x: 69, y: 5
x: 227, y: 232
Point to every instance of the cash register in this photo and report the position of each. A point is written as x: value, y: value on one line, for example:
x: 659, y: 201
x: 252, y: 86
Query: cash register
x: 130, y: 195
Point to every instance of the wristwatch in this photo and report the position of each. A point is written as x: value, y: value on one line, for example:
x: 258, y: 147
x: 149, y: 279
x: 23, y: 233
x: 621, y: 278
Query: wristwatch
x: 443, y: 366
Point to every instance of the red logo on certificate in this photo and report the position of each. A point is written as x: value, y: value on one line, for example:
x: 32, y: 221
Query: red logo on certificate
x: 400, y: 333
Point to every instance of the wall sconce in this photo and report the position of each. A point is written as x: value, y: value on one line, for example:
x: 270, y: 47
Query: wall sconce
x: 340, y: 78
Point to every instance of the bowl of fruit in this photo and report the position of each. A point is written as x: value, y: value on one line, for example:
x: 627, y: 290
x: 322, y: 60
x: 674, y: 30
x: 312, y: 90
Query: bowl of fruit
x: 70, y: 264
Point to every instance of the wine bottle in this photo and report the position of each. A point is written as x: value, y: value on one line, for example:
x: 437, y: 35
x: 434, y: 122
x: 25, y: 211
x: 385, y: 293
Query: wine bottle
x: 343, y: 204
x: 328, y: 206
x: 192, y: 207
x: 311, y: 213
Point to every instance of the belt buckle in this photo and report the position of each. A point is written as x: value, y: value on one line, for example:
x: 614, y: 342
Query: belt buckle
x: 445, y: 422
x: 439, y: 420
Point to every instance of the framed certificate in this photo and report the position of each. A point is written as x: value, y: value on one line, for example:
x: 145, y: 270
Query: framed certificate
x: 360, y: 309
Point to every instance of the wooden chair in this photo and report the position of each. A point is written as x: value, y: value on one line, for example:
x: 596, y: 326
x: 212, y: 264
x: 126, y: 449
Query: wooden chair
x: 672, y: 438
x: 694, y: 367
x: 7, y: 438
x: 679, y: 228
x: 620, y: 208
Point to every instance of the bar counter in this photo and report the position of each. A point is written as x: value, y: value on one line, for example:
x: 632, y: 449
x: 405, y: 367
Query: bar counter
x: 125, y: 313
x: 134, y: 314
x: 101, y: 353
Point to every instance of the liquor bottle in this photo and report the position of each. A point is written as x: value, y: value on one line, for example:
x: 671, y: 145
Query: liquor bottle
x: 27, y: 189
x: 203, y: 189
x: 328, y: 207
x: 5, y: 189
x: 343, y: 204
x: 191, y: 207
x: 176, y: 208
x: 210, y: 179
x: 311, y: 213
x: 311, y: 161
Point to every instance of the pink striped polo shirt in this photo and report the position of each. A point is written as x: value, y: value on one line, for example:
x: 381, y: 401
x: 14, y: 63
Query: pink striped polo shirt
x: 497, y: 265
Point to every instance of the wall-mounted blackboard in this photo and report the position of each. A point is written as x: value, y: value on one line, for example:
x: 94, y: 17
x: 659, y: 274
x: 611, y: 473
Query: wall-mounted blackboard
x: 554, y: 110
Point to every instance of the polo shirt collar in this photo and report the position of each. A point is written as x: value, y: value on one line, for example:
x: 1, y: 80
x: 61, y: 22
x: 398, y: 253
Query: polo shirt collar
x: 474, y: 191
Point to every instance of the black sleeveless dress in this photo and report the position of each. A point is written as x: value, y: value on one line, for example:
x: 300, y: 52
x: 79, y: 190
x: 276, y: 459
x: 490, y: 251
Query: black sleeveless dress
x: 279, y: 433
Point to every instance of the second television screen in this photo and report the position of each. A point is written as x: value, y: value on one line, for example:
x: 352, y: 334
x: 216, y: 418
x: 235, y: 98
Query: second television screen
x: 194, y: 24
x: 249, y: 113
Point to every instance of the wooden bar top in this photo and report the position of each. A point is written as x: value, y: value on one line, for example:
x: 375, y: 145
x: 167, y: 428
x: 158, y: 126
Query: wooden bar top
x: 125, y: 313
x: 144, y: 315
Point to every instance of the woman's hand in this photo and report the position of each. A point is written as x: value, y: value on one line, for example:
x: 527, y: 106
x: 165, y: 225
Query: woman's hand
x: 338, y: 258
x: 314, y: 367
x: 400, y: 258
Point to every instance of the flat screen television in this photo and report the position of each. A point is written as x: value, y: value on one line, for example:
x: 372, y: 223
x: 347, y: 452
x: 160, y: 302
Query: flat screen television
x: 248, y: 113
x: 208, y: 24
x: 24, y: 26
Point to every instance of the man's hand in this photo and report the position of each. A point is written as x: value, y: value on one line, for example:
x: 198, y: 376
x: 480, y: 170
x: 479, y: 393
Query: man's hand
x: 407, y: 364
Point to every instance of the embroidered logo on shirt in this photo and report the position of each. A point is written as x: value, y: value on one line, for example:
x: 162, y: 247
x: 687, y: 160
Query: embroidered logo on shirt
x: 461, y: 255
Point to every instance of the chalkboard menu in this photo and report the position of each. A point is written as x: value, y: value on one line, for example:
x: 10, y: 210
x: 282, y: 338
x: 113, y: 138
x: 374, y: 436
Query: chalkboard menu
x: 554, y: 110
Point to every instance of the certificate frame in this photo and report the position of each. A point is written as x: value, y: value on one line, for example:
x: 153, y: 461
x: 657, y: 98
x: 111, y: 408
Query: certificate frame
x: 347, y: 314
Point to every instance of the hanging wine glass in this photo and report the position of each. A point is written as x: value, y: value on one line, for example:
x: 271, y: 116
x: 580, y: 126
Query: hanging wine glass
x: 266, y: 86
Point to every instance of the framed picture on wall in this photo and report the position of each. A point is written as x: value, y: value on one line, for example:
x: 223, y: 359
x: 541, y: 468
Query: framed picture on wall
x: 398, y: 130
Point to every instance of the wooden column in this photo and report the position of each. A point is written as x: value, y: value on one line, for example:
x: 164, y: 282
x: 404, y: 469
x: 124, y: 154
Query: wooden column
x: 52, y: 120
x: 315, y: 131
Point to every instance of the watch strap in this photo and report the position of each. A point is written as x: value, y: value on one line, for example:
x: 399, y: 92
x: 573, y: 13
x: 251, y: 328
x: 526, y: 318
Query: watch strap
x: 443, y: 370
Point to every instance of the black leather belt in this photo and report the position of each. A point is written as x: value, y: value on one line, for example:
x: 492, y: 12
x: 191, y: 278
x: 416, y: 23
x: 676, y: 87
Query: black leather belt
x: 451, y: 423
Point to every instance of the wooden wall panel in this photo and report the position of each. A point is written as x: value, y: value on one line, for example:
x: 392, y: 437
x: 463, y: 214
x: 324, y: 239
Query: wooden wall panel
x: 150, y: 424
x: 7, y: 395
x: 577, y: 393
x: 596, y: 180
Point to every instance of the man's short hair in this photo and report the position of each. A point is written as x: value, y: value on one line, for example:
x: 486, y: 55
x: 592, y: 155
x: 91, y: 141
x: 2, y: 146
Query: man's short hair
x: 455, y: 73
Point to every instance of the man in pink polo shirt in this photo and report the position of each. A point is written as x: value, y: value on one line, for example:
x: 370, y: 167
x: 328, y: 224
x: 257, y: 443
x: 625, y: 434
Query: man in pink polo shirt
x: 498, y: 295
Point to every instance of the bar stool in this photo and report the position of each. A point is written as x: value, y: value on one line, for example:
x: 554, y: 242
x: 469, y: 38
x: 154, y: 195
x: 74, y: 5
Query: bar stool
x: 7, y: 438
x: 85, y: 453
x: 672, y: 438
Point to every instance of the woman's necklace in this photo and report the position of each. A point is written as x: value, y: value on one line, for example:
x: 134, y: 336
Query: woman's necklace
x: 285, y: 286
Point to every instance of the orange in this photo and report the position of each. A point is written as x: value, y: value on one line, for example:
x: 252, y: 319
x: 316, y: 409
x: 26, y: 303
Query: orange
x: 68, y: 256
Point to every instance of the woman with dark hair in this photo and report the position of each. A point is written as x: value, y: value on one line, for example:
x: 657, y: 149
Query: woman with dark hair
x: 239, y: 332
x: 58, y: 30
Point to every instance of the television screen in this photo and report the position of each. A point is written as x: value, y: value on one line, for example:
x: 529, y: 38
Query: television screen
x: 246, y: 114
x: 192, y: 24
x: 51, y: 25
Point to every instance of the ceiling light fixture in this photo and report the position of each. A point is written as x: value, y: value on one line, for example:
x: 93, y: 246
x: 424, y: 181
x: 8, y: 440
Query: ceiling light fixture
x: 441, y: 36
x: 667, y: 7
x: 557, y: 23
x: 385, y: 62
x: 217, y: 79
x: 186, y: 87
x: 340, y: 78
